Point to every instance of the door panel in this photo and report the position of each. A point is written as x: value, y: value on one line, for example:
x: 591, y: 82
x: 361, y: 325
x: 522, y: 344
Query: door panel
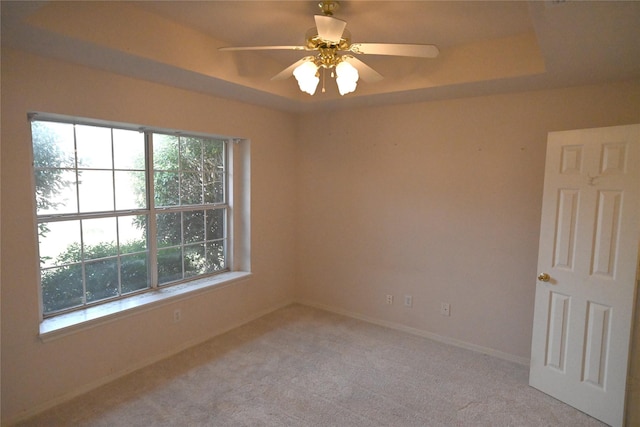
x: 597, y: 337
x: 589, y: 237
x: 557, y: 335
x: 606, y: 235
x: 566, y: 228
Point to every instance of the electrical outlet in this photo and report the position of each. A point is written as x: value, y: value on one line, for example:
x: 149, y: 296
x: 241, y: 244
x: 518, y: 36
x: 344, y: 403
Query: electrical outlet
x: 408, y: 300
x: 445, y: 309
x: 177, y: 315
x: 389, y: 299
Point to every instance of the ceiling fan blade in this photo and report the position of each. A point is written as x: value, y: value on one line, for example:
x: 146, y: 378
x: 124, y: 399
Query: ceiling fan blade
x: 288, y: 72
x: 330, y: 28
x: 239, y: 48
x: 417, y: 50
x: 367, y: 73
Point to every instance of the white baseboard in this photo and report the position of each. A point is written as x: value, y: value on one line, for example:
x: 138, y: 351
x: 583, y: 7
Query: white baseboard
x: 141, y: 364
x: 426, y: 334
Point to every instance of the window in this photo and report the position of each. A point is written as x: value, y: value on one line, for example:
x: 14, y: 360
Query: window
x: 122, y: 212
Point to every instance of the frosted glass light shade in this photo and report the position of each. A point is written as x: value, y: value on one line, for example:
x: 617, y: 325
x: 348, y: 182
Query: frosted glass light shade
x: 347, y: 77
x: 305, y: 74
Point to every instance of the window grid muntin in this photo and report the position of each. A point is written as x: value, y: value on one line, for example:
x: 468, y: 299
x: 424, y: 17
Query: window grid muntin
x: 148, y: 213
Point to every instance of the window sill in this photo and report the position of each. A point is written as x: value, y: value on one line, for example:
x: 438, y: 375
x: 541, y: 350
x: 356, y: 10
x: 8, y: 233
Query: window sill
x: 69, y: 323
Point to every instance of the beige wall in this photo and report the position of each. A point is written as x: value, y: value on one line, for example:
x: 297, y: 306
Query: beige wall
x: 34, y: 373
x: 441, y: 201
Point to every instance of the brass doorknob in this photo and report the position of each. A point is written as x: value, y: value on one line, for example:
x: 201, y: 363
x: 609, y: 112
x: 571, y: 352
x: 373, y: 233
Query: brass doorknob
x: 544, y: 277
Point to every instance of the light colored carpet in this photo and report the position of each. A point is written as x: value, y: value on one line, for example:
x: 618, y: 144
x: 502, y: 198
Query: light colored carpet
x: 300, y: 366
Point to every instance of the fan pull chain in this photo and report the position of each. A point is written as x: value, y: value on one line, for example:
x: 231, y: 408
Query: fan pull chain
x: 324, y: 74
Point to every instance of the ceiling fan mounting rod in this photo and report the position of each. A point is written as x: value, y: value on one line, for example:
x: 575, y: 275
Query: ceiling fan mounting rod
x: 328, y: 7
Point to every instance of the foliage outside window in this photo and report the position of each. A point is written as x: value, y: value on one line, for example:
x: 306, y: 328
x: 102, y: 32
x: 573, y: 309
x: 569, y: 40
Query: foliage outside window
x: 122, y: 211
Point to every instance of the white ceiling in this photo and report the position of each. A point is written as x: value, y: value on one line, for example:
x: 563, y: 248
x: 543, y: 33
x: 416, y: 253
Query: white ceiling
x: 486, y: 47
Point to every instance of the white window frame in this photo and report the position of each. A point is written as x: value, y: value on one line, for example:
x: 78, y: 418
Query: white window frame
x: 238, y: 245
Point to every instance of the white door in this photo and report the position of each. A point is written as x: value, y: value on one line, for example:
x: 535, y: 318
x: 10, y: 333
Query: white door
x: 588, y: 258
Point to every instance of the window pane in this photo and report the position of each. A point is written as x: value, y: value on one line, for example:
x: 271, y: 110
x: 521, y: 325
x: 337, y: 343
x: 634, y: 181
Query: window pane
x: 53, y: 145
x: 102, y: 279
x: 94, y: 147
x: 134, y: 272
x: 131, y: 190
x: 191, y: 188
x: 53, y: 152
x: 128, y: 149
x: 215, y: 256
x: 61, y: 288
x: 214, y: 156
x: 59, y: 243
x: 190, y: 154
x: 166, y: 187
x: 169, y: 265
x: 96, y: 191
x: 193, y: 226
x: 214, y: 189
x: 99, y: 238
x: 215, y: 223
x: 133, y: 233
x: 194, y: 260
x: 56, y: 191
x: 165, y: 152
x: 214, y: 172
x: 169, y: 229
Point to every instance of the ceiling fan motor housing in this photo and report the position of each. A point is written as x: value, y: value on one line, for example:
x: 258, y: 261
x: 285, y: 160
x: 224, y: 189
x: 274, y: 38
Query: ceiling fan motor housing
x: 328, y: 56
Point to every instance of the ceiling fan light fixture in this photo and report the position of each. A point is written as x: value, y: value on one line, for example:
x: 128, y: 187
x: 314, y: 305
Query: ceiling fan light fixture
x: 332, y: 43
x: 346, y: 77
x: 307, y: 76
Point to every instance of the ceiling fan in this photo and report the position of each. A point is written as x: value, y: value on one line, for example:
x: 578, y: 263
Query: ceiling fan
x: 335, y: 52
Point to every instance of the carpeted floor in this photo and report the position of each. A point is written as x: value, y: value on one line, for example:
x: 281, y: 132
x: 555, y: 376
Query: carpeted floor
x: 300, y: 366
